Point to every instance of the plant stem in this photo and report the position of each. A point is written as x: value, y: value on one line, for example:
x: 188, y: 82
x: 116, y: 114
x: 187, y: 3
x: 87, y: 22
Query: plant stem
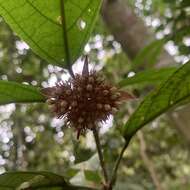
x: 114, y: 174
x: 102, y: 163
x: 148, y: 162
x: 65, y: 38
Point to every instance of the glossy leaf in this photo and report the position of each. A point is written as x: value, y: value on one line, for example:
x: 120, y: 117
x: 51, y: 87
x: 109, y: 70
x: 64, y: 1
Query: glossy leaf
x: 171, y: 93
x: 12, y: 92
x: 31, y: 179
x: 149, y: 54
x: 151, y: 76
x: 35, y: 180
x: 93, y: 176
x: 39, y: 23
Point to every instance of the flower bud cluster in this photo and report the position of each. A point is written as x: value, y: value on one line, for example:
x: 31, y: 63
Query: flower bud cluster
x: 84, y: 101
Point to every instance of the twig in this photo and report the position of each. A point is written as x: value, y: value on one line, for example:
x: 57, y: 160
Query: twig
x: 65, y: 38
x: 114, y: 174
x: 148, y: 163
x: 102, y: 163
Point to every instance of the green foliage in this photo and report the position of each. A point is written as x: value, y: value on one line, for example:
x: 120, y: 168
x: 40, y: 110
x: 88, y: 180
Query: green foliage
x: 35, y: 180
x: 37, y: 142
x: 173, y: 16
x: 171, y: 93
x: 149, y: 76
x: 39, y: 23
x: 23, y: 180
x: 12, y: 92
x: 149, y: 55
x: 92, y: 176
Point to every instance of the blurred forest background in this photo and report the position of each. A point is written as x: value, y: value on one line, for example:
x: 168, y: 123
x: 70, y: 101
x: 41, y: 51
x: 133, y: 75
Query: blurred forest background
x: 130, y: 36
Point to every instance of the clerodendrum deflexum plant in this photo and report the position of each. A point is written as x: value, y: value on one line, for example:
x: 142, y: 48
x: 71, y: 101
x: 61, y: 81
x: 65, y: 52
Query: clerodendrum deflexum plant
x: 85, y: 100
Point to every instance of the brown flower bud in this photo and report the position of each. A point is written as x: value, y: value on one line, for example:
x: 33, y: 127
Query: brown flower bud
x: 64, y: 103
x: 74, y: 104
x: 80, y: 120
x: 99, y: 106
x: 84, y: 100
x: 107, y: 107
x: 105, y: 92
x: 89, y: 87
x: 91, y: 79
x: 68, y: 92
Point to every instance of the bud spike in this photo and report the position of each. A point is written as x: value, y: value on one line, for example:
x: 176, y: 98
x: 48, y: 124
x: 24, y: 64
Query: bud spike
x: 85, y: 70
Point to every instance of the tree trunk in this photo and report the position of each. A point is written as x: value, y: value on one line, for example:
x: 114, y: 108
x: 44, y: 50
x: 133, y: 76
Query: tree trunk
x: 130, y: 31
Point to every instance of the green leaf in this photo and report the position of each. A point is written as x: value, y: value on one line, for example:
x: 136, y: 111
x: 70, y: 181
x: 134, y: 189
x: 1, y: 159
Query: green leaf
x: 150, y: 76
x: 172, y: 92
x: 149, y: 54
x: 70, y: 173
x: 12, y: 92
x: 35, y: 180
x: 29, y: 179
x: 184, y: 3
x: 93, y: 176
x: 39, y: 23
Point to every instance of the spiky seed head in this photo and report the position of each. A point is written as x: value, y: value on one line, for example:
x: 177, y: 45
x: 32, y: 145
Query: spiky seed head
x: 84, y: 100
